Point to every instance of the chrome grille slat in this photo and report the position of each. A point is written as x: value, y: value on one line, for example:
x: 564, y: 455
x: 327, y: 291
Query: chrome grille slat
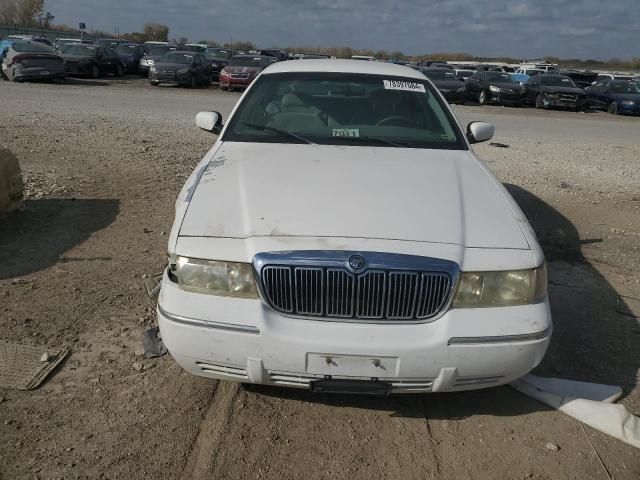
x: 375, y: 295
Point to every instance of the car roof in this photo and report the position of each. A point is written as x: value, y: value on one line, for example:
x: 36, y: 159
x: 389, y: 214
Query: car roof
x: 344, y: 66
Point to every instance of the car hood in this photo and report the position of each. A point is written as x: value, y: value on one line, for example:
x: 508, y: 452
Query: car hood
x: 171, y: 66
x: 75, y: 58
x: 512, y: 86
x: 448, y: 84
x: 553, y: 89
x: 234, y: 69
x: 263, y: 190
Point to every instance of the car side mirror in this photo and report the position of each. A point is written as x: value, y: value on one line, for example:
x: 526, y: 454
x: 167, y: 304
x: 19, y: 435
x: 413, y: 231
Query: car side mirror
x: 480, y: 132
x: 209, y: 121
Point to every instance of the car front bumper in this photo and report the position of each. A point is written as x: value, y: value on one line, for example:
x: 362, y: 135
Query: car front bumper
x: 78, y: 68
x: 506, y: 98
x: 244, y: 340
x: 235, y: 82
x: 173, y: 78
x: 629, y: 109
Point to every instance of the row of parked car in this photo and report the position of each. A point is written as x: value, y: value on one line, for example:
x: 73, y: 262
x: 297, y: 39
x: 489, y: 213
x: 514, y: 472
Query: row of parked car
x: 543, y: 89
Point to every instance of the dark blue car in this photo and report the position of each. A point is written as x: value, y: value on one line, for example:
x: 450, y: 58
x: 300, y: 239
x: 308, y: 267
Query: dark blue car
x: 130, y: 55
x: 615, y: 96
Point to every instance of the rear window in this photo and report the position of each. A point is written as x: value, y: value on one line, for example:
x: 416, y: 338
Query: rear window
x: 29, y: 47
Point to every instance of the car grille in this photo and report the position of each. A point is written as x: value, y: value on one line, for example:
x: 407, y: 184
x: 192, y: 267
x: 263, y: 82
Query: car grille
x: 567, y: 97
x: 311, y: 291
x: 166, y: 74
x: 240, y: 75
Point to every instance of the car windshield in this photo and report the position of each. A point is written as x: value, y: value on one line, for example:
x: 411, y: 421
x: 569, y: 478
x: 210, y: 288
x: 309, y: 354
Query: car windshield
x: 440, y: 74
x: 159, y: 51
x: 499, y: 77
x: 176, y: 57
x: 80, y: 50
x: 244, y: 62
x: 28, y: 47
x: 344, y: 109
x: 127, y: 48
x: 553, y: 81
x: 625, y: 87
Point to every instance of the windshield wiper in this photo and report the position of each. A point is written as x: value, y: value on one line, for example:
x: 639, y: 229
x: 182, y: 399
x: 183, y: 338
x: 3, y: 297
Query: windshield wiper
x: 277, y: 130
x: 393, y: 143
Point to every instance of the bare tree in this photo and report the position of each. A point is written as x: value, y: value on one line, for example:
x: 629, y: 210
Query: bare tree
x: 156, y: 32
x: 8, y: 12
x: 28, y: 12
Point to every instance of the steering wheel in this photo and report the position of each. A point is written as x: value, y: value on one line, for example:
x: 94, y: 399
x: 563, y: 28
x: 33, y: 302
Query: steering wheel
x: 394, y: 118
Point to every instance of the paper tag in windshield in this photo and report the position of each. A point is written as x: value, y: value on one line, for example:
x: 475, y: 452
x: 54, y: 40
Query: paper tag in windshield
x: 346, y: 132
x: 403, y: 85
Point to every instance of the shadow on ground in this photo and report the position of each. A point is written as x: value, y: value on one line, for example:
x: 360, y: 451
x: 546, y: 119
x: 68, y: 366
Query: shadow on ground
x: 35, y: 238
x: 591, y: 341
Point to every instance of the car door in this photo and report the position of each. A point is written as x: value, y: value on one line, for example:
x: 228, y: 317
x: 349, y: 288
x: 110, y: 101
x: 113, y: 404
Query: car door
x: 200, y: 68
x: 599, y: 93
x: 472, y: 85
x: 532, y: 88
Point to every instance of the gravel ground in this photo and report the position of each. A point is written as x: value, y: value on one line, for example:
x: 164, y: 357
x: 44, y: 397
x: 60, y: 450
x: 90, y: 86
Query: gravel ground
x: 103, y: 162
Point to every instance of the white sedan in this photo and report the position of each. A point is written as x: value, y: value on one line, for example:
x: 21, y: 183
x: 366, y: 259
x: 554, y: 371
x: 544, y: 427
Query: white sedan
x: 342, y: 236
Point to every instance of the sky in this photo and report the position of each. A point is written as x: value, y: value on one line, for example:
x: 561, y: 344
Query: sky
x: 597, y: 29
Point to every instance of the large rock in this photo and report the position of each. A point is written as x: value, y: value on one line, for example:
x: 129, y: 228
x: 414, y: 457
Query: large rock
x: 11, y: 186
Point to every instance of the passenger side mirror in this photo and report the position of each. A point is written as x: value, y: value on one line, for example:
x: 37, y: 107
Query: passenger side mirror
x: 480, y: 132
x: 209, y: 121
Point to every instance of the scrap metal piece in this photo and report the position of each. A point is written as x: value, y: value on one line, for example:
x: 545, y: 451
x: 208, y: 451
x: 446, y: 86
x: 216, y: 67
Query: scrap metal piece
x: 152, y: 343
x: 22, y: 368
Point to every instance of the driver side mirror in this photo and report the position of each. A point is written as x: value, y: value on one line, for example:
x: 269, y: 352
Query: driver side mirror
x: 479, y: 132
x: 209, y: 121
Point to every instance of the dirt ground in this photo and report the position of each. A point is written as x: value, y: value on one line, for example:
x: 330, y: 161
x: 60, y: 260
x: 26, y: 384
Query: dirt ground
x: 103, y: 164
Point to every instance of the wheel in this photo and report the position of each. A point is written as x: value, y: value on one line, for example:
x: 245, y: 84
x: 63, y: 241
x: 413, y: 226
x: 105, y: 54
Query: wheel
x: 95, y: 72
x: 193, y: 83
x: 482, y: 98
x: 539, y: 101
x: 119, y: 70
x: 154, y: 83
x: 613, y: 108
x: 3, y: 75
x: 223, y: 87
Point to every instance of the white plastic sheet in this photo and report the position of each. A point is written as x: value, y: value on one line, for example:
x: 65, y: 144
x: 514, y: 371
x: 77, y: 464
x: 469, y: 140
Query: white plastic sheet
x: 590, y: 403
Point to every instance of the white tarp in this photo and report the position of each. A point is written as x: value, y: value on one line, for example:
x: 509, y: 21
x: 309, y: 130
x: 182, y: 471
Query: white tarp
x: 590, y: 403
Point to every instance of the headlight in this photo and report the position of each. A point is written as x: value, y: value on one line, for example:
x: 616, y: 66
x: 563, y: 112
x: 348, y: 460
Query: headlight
x: 501, y: 289
x: 495, y: 89
x: 224, y: 73
x: 216, y: 278
x: 628, y: 102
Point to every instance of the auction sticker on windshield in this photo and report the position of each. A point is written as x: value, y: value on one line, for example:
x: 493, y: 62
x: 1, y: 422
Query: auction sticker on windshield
x: 403, y: 85
x: 346, y: 132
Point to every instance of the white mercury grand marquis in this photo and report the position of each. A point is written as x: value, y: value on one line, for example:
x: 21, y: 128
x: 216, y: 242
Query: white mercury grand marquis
x: 342, y: 236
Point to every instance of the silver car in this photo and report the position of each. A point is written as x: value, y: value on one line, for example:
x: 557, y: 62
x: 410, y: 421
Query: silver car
x: 24, y: 61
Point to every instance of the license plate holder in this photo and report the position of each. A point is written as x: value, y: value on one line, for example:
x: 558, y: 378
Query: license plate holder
x: 353, y: 387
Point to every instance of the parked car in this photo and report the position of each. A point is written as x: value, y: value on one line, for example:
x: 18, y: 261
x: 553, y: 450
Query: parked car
x: 446, y: 82
x: 182, y: 68
x: 130, y: 55
x: 553, y: 91
x: 463, y: 74
x: 615, y: 96
x: 242, y: 70
x: 154, y: 54
x: 195, y: 47
x: 580, y: 78
x: 277, y: 53
x: 31, y: 38
x: 218, y: 58
x: 395, y: 263
x: 615, y: 76
x: 493, y: 87
x: 60, y: 43
x: 530, y: 71
x: 91, y: 61
x: 27, y: 60
x: 520, y: 78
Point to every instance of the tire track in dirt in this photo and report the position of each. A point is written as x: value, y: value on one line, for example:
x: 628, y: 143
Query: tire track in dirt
x: 204, y: 451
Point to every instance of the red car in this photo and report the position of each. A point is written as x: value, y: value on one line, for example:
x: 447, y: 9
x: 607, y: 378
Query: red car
x: 242, y: 69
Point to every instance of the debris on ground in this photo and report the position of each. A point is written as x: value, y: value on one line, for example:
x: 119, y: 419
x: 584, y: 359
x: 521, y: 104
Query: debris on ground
x: 589, y: 403
x: 498, y: 145
x: 152, y: 343
x: 152, y: 285
x: 552, y: 446
x: 24, y: 367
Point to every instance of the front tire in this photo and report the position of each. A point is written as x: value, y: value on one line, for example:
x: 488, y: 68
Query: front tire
x: 119, y: 71
x: 95, y: 72
x: 539, y: 101
x: 154, y: 83
x: 193, y: 83
x: 613, y: 108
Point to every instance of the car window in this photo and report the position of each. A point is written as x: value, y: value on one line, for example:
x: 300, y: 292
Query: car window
x: 245, y: 61
x: 554, y: 81
x: 624, y: 87
x: 499, y: 77
x: 29, y: 47
x: 85, y: 50
x: 344, y: 109
x: 440, y: 74
x: 177, y: 57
